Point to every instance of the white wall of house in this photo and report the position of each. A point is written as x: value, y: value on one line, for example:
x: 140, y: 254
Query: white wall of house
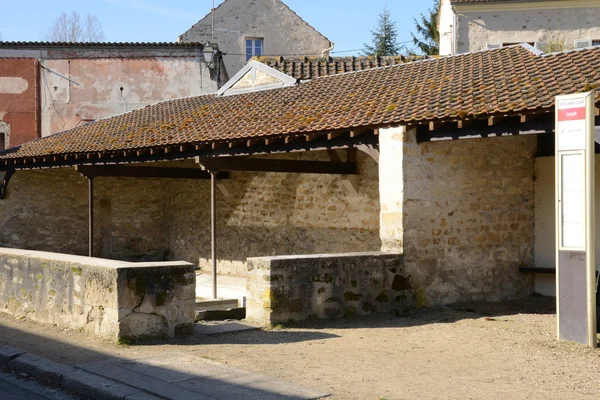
x: 282, y: 31
x: 544, y: 22
x: 545, y: 249
x: 446, y: 28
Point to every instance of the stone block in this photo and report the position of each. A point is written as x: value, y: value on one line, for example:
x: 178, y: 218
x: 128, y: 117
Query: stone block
x: 105, y: 297
x: 294, y: 288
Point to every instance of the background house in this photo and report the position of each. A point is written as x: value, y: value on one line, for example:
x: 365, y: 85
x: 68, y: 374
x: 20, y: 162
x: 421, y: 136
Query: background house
x: 551, y: 25
x: 46, y: 88
x: 244, y: 29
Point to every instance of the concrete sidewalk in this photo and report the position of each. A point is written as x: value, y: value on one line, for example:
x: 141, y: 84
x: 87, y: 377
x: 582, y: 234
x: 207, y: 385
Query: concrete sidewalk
x: 176, y: 376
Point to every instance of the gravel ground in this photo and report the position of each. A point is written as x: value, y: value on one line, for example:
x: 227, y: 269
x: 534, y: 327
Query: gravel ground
x: 466, y: 351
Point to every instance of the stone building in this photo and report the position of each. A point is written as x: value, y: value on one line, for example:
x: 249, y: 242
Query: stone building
x: 363, y: 161
x: 549, y: 25
x: 244, y: 29
x: 46, y: 88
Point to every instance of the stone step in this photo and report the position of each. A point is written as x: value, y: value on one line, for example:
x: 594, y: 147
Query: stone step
x: 215, y: 304
x: 237, y: 313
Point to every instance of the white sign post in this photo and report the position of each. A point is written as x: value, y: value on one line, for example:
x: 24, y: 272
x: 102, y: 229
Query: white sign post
x: 575, y: 223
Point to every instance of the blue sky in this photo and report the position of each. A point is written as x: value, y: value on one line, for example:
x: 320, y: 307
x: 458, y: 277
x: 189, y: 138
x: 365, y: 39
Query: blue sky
x: 345, y: 22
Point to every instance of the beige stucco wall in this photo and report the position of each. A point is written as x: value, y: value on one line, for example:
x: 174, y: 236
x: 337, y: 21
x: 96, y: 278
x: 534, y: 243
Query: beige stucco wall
x: 84, y: 87
x: 268, y: 214
x: 541, y: 23
x: 283, y: 31
x: 462, y: 212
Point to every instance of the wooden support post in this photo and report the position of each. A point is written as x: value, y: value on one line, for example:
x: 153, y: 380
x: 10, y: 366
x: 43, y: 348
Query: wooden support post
x: 213, y: 229
x: 91, y: 217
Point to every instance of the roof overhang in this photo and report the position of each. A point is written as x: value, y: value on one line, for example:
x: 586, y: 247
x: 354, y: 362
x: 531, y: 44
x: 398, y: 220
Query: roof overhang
x: 520, y: 5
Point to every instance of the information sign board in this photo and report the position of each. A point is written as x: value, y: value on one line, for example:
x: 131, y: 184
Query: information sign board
x: 575, y: 223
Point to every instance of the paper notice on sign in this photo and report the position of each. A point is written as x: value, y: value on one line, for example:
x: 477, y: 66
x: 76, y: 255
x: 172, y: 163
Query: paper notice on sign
x: 572, y: 125
x: 573, y: 201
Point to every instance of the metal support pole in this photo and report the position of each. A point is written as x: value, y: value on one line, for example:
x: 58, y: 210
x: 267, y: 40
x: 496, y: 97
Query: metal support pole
x: 213, y: 228
x: 91, y: 217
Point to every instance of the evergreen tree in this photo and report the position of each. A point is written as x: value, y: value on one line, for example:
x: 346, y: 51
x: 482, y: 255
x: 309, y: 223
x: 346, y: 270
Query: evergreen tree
x: 385, y: 37
x: 429, y: 41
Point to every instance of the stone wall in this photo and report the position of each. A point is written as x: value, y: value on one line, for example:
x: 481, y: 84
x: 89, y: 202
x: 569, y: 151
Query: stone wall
x: 282, y: 30
x: 108, y: 298
x: 267, y: 214
x: 462, y: 212
x: 48, y: 210
x: 294, y: 288
x: 263, y: 214
x: 562, y: 24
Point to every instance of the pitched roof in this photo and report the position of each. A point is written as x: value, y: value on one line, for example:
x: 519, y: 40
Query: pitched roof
x: 504, y: 81
x: 288, y: 7
x: 305, y: 68
x: 496, y: 1
x: 38, y: 45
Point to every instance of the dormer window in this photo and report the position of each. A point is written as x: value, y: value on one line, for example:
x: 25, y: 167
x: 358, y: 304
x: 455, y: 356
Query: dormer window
x: 254, y: 48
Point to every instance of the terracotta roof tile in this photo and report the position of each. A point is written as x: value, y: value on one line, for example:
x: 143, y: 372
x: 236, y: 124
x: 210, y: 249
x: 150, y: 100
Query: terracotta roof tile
x: 305, y: 68
x: 507, y: 80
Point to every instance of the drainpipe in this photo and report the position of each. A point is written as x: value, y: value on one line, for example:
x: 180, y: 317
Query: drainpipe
x: 327, y: 49
x: 454, y: 34
x: 37, y: 89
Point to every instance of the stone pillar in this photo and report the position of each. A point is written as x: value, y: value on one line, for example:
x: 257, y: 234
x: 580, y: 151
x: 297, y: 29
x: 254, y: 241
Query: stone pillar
x: 391, y: 187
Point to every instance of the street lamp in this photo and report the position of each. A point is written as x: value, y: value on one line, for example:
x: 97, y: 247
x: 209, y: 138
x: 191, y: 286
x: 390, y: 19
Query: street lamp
x: 209, y: 53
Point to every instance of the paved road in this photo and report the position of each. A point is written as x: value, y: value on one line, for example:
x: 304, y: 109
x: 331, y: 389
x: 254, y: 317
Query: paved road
x: 14, y: 387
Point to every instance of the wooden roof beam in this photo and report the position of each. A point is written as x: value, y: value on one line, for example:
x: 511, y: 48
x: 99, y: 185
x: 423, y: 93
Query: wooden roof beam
x: 90, y: 171
x: 461, y: 124
x: 276, y: 165
x: 333, y: 135
x: 312, y: 136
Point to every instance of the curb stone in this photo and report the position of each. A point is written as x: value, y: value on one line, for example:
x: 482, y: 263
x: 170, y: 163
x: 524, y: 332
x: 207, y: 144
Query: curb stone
x: 96, y: 387
x: 40, y: 368
x: 69, y: 378
x: 7, y: 354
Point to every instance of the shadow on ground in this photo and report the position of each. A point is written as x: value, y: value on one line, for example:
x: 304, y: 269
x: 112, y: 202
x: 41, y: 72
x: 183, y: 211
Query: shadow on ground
x: 438, y: 314
x: 167, y: 373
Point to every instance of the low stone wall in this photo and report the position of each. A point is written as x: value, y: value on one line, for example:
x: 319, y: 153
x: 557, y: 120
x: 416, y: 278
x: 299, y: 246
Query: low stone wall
x: 293, y: 288
x: 109, y: 298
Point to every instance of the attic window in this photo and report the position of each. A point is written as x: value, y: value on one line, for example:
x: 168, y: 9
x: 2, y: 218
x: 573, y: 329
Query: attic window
x: 254, y: 48
x: 595, y: 42
x: 515, y: 43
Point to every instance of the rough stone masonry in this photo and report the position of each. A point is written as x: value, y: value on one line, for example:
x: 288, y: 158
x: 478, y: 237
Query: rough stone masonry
x: 108, y: 298
x: 461, y: 212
